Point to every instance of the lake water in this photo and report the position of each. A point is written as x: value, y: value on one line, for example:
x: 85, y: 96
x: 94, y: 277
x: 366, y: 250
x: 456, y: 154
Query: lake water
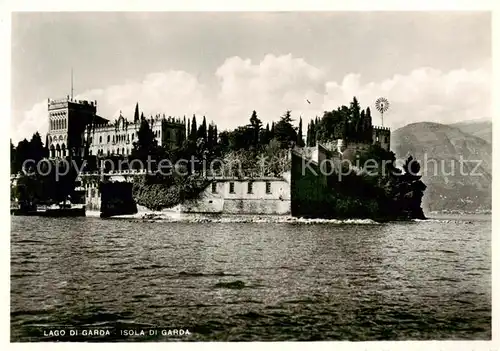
x: 251, y: 281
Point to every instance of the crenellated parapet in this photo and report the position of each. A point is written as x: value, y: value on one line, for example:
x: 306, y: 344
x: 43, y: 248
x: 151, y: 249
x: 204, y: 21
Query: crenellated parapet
x: 382, y: 128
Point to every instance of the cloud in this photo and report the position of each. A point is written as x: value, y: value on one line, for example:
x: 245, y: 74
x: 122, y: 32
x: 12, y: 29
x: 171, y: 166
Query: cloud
x: 174, y: 93
x: 272, y: 86
x: 34, y: 120
x: 280, y: 83
x: 424, y: 94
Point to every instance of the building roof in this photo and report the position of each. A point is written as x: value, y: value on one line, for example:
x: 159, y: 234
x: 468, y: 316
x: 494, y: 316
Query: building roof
x: 100, y: 120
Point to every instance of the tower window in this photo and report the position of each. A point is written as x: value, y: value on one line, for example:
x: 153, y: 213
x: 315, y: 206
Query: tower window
x: 250, y: 187
x: 268, y: 187
x: 231, y: 187
x: 214, y: 187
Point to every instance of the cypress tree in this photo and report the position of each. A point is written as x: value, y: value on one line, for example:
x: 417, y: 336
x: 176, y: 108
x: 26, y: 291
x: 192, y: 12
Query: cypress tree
x: 362, y: 126
x: 202, y: 131
x: 300, y: 140
x: 314, y: 133
x: 368, y: 125
x: 194, y: 129
x: 136, y: 113
x: 210, y: 136
x: 308, y: 135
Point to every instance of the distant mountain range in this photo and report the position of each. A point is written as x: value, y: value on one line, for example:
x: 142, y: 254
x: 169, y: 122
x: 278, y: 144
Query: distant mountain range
x: 439, y: 148
x: 481, y: 129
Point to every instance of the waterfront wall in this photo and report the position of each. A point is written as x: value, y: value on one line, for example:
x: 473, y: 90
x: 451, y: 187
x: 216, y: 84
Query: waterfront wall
x: 269, y: 196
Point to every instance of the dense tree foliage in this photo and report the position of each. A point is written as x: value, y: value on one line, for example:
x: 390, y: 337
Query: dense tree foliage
x: 26, y: 150
x: 389, y: 191
x: 349, y: 123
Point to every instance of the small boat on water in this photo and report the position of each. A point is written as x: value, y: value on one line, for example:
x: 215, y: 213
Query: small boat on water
x: 71, y: 207
x: 63, y: 210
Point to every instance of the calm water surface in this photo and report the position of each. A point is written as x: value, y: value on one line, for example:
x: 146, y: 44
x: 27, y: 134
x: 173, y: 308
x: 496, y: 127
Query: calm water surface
x: 421, y: 280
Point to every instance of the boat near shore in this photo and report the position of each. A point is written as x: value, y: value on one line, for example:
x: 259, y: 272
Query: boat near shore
x: 65, y: 210
x: 73, y: 206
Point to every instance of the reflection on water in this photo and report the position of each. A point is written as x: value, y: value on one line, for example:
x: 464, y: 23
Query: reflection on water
x: 233, y: 281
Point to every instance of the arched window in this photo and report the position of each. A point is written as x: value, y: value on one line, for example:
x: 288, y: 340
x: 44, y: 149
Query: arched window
x: 108, y: 138
x: 100, y: 139
x: 123, y: 151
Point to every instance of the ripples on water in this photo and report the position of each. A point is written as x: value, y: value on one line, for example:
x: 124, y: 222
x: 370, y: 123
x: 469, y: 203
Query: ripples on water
x: 233, y: 281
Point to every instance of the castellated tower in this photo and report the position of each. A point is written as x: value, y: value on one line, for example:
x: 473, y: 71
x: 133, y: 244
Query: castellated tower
x: 382, y: 137
x: 67, y: 121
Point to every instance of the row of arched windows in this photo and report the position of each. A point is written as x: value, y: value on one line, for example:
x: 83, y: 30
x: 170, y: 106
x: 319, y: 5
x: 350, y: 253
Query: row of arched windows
x: 58, y: 124
x: 58, y: 150
x: 117, y: 151
x: 119, y: 138
x: 56, y: 138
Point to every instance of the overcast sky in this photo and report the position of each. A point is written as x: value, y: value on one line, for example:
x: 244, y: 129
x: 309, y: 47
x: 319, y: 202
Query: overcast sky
x: 430, y: 66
